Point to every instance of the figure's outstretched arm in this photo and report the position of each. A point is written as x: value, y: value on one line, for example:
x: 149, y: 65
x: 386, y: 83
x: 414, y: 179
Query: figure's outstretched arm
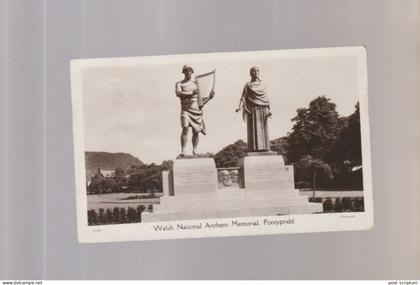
x: 206, y: 99
x: 269, y: 111
x: 241, y: 102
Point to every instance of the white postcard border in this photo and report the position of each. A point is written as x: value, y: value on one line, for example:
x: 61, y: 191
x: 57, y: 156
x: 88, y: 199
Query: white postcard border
x: 345, y: 221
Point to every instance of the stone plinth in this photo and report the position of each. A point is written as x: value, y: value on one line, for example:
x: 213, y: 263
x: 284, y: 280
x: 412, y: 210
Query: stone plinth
x: 269, y: 191
x: 194, y: 176
x: 231, y: 203
x: 266, y: 172
x: 167, y: 183
x: 261, y: 153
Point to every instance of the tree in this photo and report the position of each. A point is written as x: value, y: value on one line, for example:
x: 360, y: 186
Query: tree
x: 229, y: 156
x: 315, y: 131
x: 135, y: 182
x: 131, y: 215
x: 346, y: 154
x: 167, y: 164
x: 109, y: 216
x: 123, y: 216
x: 349, y: 147
x: 102, y: 217
x: 116, y: 217
x: 94, y: 186
x: 117, y: 182
x: 280, y: 145
x: 316, y: 170
x: 118, y: 173
x: 105, y: 186
x: 102, y: 185
x: 139, y: 211
x: 93, y: 218
x: 147, y: 178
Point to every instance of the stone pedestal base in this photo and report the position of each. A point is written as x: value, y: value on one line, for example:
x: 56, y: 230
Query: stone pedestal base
x: 230, y: 203
x: 266, y: 172
x: 198, y: 175
x: 269, y: 191
x: 189, y: 208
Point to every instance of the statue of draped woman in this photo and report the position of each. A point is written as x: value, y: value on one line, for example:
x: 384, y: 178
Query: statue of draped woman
x: 256, y: 110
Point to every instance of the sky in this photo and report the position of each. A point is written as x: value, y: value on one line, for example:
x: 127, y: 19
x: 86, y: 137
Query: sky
x: 129, y: 105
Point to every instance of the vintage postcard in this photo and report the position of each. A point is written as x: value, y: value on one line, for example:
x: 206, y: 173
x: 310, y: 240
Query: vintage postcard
x: 221, y: 144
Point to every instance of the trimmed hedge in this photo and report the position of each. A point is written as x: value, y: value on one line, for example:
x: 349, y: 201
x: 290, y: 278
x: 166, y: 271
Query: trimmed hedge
x: 115, y: 216
x: 340, y: 204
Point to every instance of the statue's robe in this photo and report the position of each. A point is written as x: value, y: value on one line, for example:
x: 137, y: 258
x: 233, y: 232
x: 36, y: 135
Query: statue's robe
x: 256, y: 109
x: 191, y: 115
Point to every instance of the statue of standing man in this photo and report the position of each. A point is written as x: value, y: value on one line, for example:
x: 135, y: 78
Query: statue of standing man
x: 256, y: 111
x: 191, y: 112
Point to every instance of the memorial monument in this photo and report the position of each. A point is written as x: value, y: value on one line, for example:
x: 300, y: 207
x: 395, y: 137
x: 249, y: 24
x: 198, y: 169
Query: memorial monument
x: 195, y: 189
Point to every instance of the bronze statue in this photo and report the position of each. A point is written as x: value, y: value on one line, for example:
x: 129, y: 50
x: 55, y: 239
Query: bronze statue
x: 256, y: 111
x: 191, y: 108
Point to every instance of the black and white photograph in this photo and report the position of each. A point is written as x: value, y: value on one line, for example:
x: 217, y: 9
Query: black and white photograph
x: 210, y: 140
x: 222, y: 144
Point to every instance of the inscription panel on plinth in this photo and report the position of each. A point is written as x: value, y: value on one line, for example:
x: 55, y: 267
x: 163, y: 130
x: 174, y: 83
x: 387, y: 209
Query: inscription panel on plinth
x: 193, y: 176
x: 266, y: 173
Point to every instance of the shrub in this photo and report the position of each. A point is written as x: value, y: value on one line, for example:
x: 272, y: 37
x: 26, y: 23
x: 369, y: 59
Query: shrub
x: 131, y: 214
x: 338, y: 206
x: 92, y: 218
x: 315, y: 199
x: 347, y: 204
x: 140, y: 210
x: 123, y: 216
x: 109, y: 216
x: 117, y: 215
x: 328, y: 205
x: 303, y: 184
x: 359, y: 204
x: 102, y: 217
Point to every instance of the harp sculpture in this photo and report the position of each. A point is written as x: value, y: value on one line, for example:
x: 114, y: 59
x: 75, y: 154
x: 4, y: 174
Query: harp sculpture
x: 205, y: 85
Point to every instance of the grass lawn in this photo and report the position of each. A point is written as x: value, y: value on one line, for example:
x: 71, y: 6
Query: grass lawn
x: 331, y: 194
x: 112, y: 200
